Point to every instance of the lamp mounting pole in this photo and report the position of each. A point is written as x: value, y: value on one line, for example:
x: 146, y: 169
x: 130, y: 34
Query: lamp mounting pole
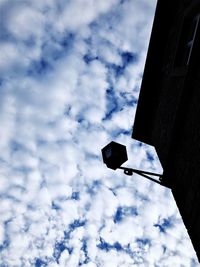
x: 130, y: 171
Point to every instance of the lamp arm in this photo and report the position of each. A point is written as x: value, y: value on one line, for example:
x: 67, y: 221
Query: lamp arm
x: 130, y: 171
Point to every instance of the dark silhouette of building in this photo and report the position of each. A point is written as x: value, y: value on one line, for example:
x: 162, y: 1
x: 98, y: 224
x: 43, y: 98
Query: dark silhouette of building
x: 168, y: 111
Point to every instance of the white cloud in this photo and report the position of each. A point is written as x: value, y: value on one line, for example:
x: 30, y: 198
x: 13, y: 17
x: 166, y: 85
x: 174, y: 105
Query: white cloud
x: 66, y: 91
x: 24, y: 22
x: 79, y: 13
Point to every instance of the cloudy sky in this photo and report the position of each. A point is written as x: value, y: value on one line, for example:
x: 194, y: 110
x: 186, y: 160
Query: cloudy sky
x: 70, y: 74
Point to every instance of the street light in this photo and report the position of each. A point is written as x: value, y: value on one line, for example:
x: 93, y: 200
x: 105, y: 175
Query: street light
x: 115, y: 154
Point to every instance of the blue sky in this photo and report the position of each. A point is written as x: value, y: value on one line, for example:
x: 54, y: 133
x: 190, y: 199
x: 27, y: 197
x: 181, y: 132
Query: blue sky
x: 70, y: 74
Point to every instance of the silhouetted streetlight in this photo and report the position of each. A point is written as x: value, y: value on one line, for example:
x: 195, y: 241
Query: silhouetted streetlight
x: 115, y: 154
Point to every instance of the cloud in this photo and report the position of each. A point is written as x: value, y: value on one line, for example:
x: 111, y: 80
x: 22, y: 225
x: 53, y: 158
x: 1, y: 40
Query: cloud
x: 70, y: 74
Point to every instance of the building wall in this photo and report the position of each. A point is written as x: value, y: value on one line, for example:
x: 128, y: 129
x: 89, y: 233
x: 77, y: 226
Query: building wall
x: 186, y: 169
x: 173, y: 84
x: 176, y: 128
x: 168, y: 112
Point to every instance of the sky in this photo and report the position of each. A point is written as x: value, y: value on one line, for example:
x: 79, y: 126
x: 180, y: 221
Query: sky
x: 70, y: 75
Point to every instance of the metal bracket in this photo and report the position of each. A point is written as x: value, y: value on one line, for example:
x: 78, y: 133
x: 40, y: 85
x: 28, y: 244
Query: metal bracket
x: 130, y: 171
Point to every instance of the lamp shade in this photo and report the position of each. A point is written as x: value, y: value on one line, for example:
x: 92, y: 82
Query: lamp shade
x: 114, y: 155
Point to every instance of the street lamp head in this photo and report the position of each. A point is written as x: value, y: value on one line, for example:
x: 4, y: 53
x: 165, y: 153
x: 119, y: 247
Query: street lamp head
x: 114, y: 155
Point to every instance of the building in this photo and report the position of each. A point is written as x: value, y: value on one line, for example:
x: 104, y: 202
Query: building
x: 168, y: 111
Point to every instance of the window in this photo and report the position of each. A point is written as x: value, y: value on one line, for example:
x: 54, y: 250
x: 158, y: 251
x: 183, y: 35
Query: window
x: 187, y: 38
